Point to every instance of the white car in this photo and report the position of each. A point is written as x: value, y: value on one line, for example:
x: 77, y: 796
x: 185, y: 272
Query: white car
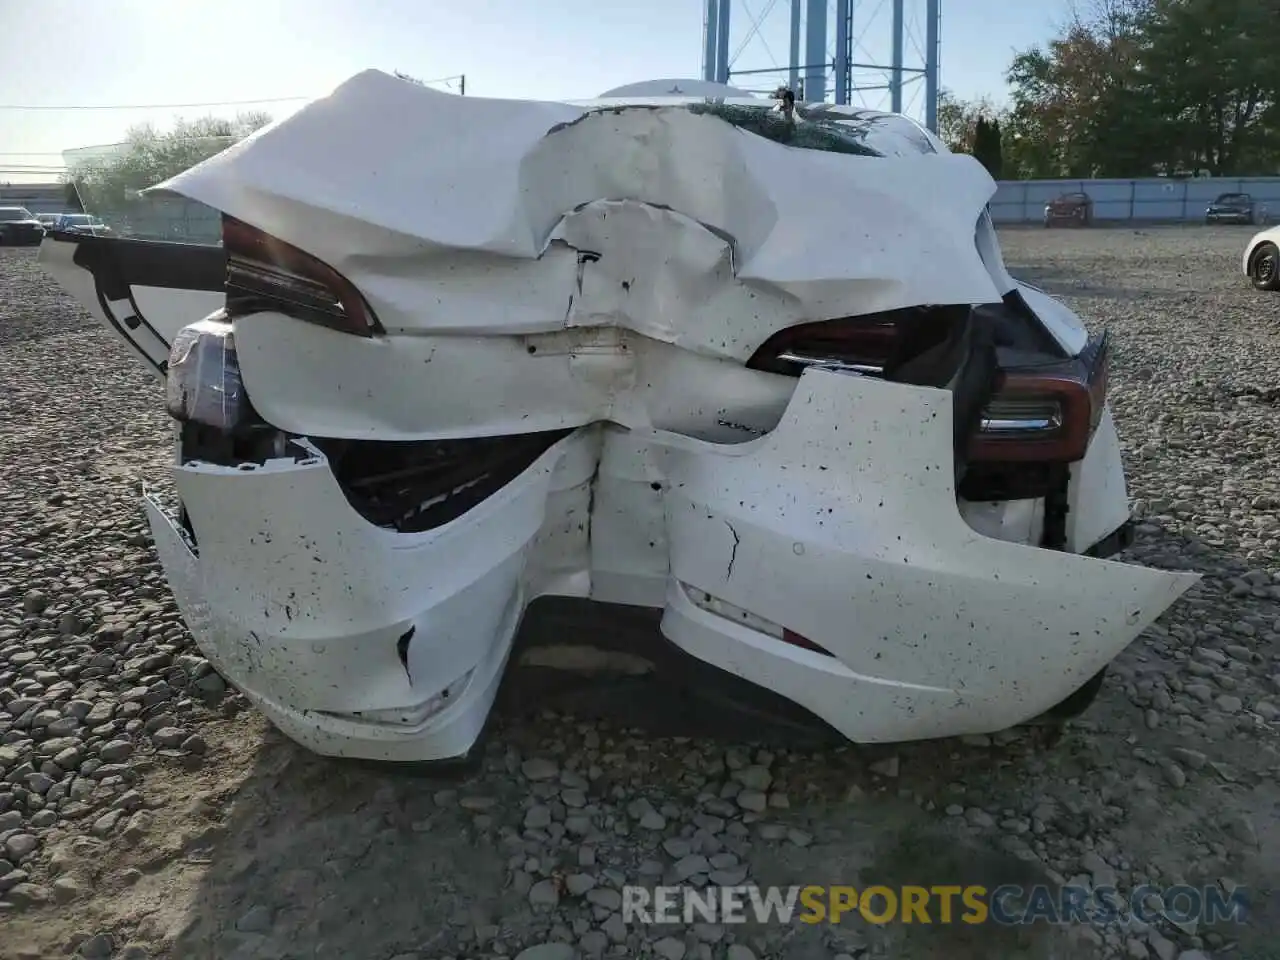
x: 81, y: 223
x: 1261, y: 261
x: 763, y: 374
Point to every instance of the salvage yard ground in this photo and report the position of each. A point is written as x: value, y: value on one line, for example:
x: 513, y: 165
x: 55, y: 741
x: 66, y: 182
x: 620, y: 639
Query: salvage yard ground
x: 157, y: 816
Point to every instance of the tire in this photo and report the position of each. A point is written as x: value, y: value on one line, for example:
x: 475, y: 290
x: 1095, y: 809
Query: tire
x: 1264, y: 267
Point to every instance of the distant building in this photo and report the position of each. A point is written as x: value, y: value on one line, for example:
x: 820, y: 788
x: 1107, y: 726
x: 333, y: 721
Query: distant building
x: 87, y: 156
x: 38, y: 197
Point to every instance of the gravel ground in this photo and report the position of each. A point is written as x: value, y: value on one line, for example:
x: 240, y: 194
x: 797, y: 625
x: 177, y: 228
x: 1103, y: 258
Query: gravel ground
x: 145, y: 812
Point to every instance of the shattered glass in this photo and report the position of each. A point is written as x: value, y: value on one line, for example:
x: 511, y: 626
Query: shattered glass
x: 810, y: 133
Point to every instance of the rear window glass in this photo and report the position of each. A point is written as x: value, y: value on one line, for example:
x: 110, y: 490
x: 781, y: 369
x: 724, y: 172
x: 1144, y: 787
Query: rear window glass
x: 11, y: 214
x: 807, y: 132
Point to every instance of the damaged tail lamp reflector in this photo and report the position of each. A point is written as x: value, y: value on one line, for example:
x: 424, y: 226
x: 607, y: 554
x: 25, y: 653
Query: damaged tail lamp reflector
x: 267, y: 274
x: 705, y: 601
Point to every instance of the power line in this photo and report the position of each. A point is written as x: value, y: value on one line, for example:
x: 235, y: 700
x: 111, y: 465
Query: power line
x: 191, y: 106
x: 150, y: 106
x: 164, y: 139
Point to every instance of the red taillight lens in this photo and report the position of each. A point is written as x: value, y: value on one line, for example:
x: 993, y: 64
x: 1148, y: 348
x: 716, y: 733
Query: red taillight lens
x: 862, y: 345
x: 1046, y: 415
x: 793, y: 638
x: 264, y: 273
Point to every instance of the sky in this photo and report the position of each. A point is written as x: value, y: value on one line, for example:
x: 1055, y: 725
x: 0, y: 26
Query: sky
x: 133, y: 53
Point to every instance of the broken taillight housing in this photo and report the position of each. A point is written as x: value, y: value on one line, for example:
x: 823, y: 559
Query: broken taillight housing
x: 202, y: 379
x: 1043, y: 412
x: 1047, y: 415
x: 267, y: 274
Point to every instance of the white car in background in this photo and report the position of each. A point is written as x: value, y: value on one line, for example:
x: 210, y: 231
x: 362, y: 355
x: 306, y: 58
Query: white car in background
x: 80, y: 223
x: 1261, y: 262
x: 761, y: 373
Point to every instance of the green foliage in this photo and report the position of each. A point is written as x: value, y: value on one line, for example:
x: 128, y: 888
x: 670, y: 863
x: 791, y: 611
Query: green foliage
x: 958, y: 120
x: 1134, y: 88
x: 986, y: 145
x: 149, y: 156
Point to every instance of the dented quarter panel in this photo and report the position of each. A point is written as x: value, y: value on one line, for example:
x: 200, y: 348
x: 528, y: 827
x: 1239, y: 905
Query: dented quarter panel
x: 314, y: 381
x: 845, y: 530
x: 723, y: 238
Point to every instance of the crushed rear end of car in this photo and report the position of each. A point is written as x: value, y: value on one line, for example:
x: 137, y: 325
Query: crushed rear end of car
x: 668, y: 355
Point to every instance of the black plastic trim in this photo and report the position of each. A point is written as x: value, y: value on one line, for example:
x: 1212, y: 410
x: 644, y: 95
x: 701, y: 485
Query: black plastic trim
x: 1119, y: 539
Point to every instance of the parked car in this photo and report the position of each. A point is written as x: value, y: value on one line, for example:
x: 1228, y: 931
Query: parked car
x: 81, y: 223
x: 19, y: 227
x: 544, y: 362
x: 1261, y: 262
x: 1074, y: 208
x: 1235, y: 208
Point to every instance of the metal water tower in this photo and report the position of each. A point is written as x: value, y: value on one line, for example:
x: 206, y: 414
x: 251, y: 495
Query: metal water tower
x: 818, y: 67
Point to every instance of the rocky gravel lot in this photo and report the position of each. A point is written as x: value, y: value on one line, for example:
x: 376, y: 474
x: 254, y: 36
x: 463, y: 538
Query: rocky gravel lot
x: 146, y: 812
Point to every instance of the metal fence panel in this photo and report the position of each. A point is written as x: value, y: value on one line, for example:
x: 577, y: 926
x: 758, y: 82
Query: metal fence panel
x: 1150, y: 200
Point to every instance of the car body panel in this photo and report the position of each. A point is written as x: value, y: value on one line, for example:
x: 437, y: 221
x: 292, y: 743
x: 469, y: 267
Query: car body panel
x: 607, y: 273
x: 143, y: 292
x: 503, y: 174
x: 1061, y: 321
x: 844, y: 529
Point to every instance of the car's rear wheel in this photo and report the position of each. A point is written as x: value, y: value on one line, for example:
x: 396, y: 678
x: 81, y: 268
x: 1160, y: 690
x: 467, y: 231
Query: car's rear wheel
x: 1264, y: 267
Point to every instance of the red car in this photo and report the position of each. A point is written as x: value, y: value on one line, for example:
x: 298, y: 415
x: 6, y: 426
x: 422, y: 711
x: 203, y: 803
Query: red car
x: 1074, y: 208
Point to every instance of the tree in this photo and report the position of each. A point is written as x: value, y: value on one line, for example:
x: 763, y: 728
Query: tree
x: 958, y: 119
x: 1211, y: 72
x: 1137, y: 87
x: 148, y: 157
x: 986, y: 145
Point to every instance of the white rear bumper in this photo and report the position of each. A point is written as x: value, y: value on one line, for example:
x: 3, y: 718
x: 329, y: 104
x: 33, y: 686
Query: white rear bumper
x: 841, y: 525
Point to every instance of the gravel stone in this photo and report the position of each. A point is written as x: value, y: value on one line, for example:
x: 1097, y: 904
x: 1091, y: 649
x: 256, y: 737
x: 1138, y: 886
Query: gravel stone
x: 115, y: 751
x: 547, y: 951
x: 539, y: 769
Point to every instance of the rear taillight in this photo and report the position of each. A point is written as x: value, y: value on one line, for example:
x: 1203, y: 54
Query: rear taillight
x: 855, y: 345
x: 265, y: 273
x: 1047, y: 412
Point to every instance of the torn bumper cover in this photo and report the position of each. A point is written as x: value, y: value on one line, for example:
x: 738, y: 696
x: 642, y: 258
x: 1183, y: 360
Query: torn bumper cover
x: 359, y: 641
